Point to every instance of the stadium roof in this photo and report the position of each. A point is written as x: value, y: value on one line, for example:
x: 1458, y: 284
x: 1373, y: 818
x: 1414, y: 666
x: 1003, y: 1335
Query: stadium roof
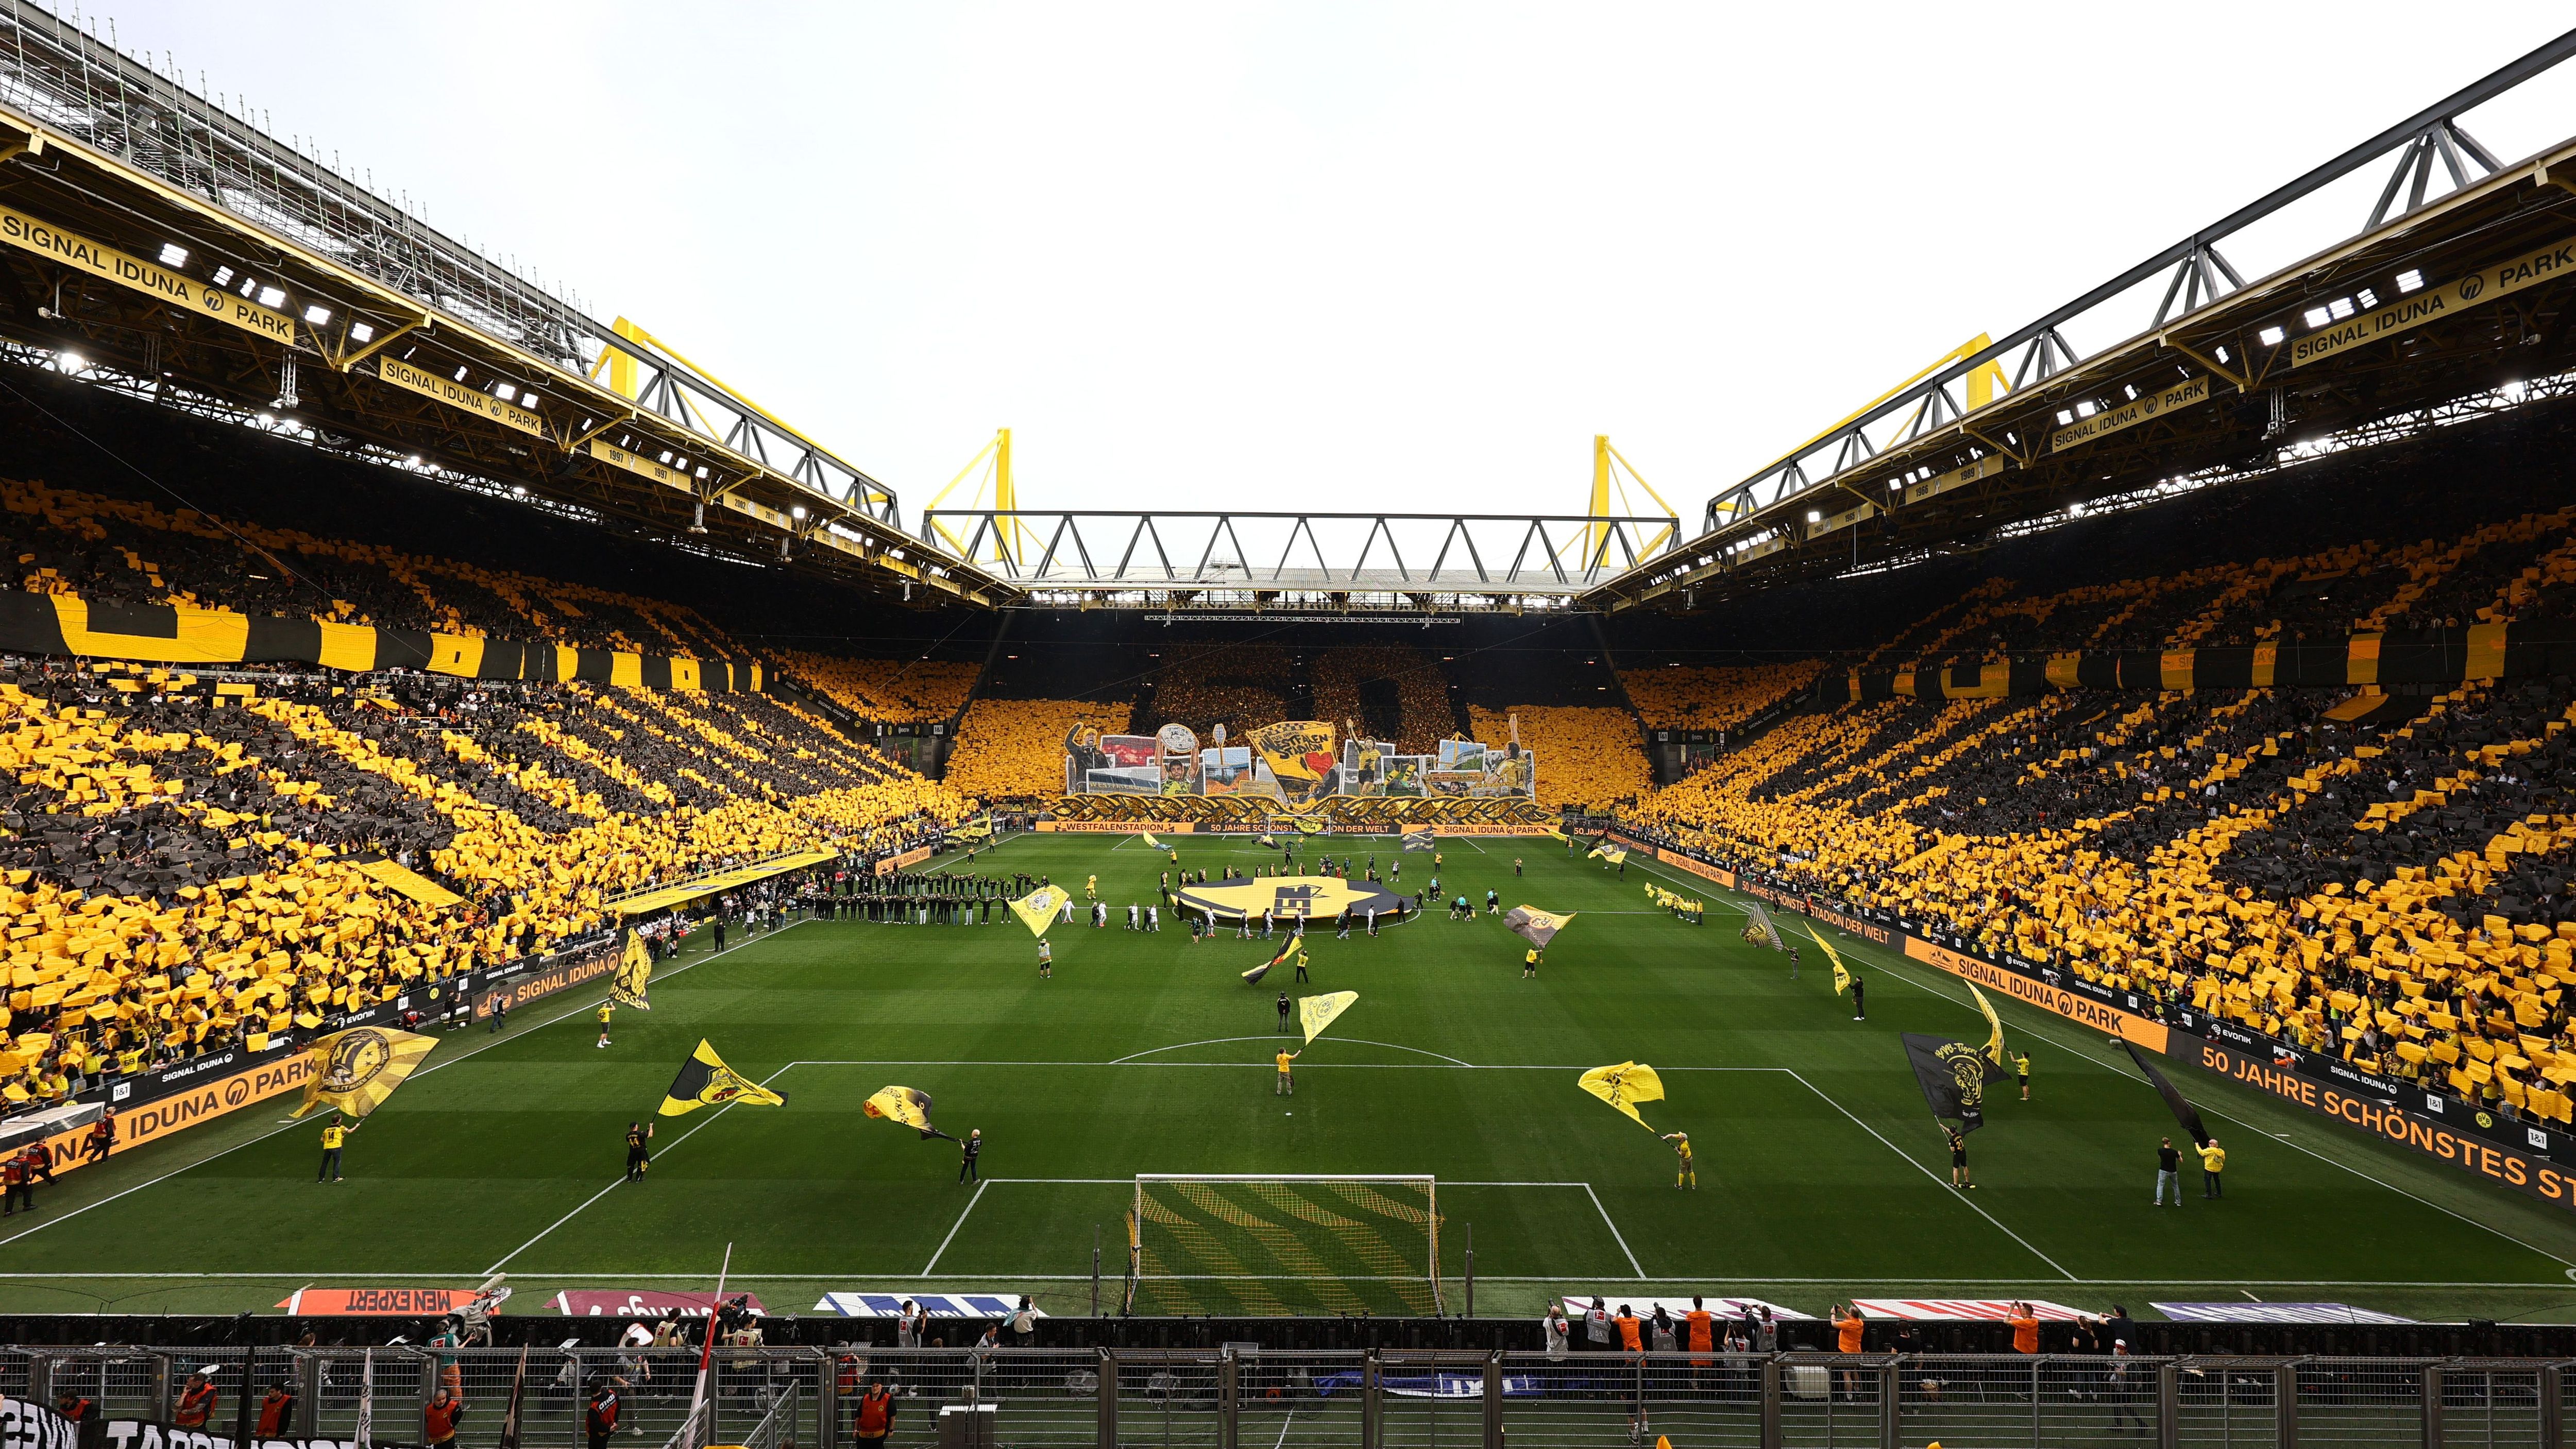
x: 179, y: 252
x: 2453, y: 286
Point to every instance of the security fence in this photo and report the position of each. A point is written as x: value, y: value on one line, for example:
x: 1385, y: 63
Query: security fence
x: 1241, y: 1394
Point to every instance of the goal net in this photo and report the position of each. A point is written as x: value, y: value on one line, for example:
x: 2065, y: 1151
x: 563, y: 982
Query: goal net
x: 1259, y: 1243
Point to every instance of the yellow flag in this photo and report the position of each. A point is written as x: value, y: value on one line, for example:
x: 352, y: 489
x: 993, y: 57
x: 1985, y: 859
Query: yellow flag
x: 1150, y: 840
x: 354, y: 1071
x: 705, y: 1081
x: 1534, y: 925
x: 634, y: 970
x: 1994, y: 1026
x: 1842, y: 978
x: 907, y: 1105
x: 1317, y: 1012
x: 1623, y: 1086
x: 1037, y: 910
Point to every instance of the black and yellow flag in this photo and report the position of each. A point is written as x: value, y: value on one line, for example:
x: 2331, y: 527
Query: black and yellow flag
x: 2184, y: 1112
x: 1315, y: 1013
x: 1758, y: 929
x: 1842, y: 976
x: 1534, y: 925
x: 634, y: 971
x: 907, y: 1105
x: 1037, y: 910
x: 1953, y: 1076
x: 1296, y: 939
x: 354, y: 1071
x: 1994, y: 1024
x: 705, y: 1081
x: 1624, y: 1086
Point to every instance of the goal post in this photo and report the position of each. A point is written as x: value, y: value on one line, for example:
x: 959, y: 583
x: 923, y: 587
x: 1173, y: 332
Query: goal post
x: 1257, y: 1243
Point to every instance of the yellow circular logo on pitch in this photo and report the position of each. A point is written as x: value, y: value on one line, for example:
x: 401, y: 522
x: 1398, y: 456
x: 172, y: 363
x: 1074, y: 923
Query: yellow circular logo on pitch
x: 1314, y: 896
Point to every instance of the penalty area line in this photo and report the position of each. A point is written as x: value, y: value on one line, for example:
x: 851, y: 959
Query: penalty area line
x: 621, y: 1181
x: 1828, y: 1100
x: 953, y: 1227
x: 1615, y: 1235
x: 2049, y: 1030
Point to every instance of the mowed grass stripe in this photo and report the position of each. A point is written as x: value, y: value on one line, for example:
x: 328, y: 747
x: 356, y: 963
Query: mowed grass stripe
x: 463, y: 1165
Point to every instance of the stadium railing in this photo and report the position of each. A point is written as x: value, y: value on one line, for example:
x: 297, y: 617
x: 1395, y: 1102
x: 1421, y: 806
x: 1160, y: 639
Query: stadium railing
x: 1244, y: 1394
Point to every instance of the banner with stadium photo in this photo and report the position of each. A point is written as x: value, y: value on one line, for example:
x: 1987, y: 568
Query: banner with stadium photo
x: 1231, y: 770
x: 1456, y: 784
x: 1461, y: 755
x: 1124, y: 765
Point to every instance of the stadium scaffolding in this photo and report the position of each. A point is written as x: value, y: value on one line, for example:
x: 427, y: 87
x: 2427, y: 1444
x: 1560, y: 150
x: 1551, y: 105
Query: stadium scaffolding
x: 1176, y: 561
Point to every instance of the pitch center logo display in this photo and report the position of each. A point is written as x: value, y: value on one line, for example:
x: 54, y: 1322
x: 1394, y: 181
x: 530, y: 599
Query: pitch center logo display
x: 1314, y: 897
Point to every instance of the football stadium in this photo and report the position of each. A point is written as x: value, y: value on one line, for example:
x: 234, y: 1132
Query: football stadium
x: 2040, y: 916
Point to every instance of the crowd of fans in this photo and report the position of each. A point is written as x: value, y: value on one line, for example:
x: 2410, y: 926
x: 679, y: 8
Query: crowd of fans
x: 183, y: 866
x: 1589, y: 758
x: 1391, y: 691
x: 2381, y: 878
x: 125, y: 551
x: 1013, y: 749
x: 1238, y: 686
x: 2522, y: 567
x: 1680, y: 697
x: 885, y: 691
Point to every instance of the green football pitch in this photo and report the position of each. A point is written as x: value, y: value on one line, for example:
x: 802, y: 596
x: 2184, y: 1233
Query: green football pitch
x: 1821, y: 1173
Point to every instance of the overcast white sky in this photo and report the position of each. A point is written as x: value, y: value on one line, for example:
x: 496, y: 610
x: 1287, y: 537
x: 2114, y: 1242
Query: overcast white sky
x: 1336, y: 255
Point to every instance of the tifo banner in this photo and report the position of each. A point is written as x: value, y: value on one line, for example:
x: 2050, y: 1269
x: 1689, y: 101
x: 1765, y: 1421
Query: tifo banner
x: 1117, y: 827
x: 1299, y: 754
x: 864, y: 1303
x: 1291, y: 761
x: 174, y: 634
x: 1291, y: 898
x: 644, y: 1303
